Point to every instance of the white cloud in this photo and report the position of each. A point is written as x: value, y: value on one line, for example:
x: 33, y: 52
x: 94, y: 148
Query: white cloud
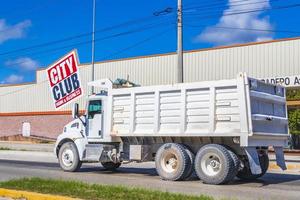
x: 251, y: 20
x: 24, y: 63
x: 12, y: 79
x: 16, y: 31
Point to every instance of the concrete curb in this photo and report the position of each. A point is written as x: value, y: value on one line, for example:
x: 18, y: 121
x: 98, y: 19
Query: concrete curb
x: 17, y: 194
x: 291, y: 166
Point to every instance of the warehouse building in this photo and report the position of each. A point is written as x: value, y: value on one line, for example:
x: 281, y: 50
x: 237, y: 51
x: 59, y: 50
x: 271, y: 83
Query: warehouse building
x: 32, y: 104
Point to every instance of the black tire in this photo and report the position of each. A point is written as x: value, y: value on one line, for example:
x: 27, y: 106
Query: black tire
x: 68, y: 157
x: 236, y: 161
x: 172, y: 162
x: 110, y: 165
x: 214, y: 164
x: 190, y: 168
x: 246, y: 173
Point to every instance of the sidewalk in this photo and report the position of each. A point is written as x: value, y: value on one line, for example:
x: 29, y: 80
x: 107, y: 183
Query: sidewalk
x: 25, y: 146
x: 288, y: 157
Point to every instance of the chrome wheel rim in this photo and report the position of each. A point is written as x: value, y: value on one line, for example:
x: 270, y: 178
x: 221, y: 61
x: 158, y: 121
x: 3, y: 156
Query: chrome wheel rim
x: 211, y: 164
x: 68, y: 157
x: 169, y: 162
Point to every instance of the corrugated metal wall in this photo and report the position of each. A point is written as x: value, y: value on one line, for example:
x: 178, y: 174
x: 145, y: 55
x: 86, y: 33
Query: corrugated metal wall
x: 260, y: 60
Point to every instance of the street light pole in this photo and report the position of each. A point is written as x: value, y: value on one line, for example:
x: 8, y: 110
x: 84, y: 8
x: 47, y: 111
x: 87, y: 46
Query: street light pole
x: 93, y: 45
x: 179, y: 43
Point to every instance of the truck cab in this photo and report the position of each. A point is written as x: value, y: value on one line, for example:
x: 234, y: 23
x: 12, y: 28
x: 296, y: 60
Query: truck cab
x: 96, y: 116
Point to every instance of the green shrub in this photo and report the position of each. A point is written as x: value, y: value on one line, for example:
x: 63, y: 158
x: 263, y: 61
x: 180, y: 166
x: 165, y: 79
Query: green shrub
x: 292, y: 94
x: 294, y: 121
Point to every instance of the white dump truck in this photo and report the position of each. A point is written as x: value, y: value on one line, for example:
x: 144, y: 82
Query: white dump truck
x: 219, y: 129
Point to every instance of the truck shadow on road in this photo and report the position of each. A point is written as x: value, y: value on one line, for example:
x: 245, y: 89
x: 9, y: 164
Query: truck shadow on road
x: 267, y: 179
x: 121, y: 170
x: 271, y: 179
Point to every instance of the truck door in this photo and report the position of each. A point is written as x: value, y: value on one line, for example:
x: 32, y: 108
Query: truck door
x: 94, y: 120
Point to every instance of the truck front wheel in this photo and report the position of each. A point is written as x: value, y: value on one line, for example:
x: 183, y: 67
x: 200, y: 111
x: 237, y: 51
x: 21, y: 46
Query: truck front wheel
x: 172, y: 162
x: 69, y: 158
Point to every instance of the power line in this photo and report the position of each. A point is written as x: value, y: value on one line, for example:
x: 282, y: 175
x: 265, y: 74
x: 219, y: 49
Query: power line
x: 141, y: 29
x: 45, y: 44
x: 251, y: 29
x: 224, y: 7
x: 124, y: 33
x: 135, y: 21
x: 106, y: 57
x: 223, y: 4
x: 81, y: 35
x: 146, y: 28
x: 245, y: 11
x: 128, y: 23
x: 243, y: 29
x: 128, y: 32
x: 137, y: 44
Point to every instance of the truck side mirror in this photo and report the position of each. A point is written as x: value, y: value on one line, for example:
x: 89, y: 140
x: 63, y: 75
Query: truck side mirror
x: 75, y: 111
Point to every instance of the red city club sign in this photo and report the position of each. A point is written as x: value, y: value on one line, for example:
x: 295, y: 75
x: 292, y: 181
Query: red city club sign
x: 64, y: 80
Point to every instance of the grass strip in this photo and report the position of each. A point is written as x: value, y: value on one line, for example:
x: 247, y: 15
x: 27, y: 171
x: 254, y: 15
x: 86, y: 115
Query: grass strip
x: 4, y: 149
x: 82, y: 190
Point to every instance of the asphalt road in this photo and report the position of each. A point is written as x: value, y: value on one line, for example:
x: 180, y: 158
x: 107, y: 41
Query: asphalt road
x: 274, y: 185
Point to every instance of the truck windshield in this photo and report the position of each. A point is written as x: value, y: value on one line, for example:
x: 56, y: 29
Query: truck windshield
x: 95, y: 107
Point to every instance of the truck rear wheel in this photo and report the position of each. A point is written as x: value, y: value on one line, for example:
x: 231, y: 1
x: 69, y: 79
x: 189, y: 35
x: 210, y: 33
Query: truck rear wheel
x: 68, y: 157
x: 236, y: 161
x: 214, y: 164
x: 246, y: 173
x: 190, y: 168
x: 110, y: 165
x: 172, y: 162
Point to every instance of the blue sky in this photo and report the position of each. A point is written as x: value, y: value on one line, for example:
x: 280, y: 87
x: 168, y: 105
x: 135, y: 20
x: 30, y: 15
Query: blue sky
x: 207, y: 23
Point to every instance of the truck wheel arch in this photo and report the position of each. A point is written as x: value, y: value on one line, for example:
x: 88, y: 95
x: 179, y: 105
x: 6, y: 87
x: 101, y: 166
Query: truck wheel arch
x: 61, y: 143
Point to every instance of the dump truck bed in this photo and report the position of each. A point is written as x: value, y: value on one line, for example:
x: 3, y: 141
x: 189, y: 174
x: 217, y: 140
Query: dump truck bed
x: 241, y: 107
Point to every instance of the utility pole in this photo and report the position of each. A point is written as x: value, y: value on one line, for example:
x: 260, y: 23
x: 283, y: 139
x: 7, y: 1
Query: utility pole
x: 93, y: 45
x: 179, y: 43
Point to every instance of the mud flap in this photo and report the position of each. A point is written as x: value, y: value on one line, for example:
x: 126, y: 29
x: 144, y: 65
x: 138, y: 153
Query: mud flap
x: 253, y: 160
x: 280, y: 157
